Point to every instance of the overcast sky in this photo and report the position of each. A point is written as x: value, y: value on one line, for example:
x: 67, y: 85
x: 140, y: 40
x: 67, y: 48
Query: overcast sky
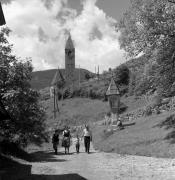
x: 39, y: 30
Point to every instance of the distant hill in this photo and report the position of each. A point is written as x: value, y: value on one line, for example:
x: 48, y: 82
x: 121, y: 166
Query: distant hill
x: 42, y: 79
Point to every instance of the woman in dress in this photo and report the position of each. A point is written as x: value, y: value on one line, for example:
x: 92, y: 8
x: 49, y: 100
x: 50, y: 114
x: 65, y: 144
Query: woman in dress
x: 66, y: 139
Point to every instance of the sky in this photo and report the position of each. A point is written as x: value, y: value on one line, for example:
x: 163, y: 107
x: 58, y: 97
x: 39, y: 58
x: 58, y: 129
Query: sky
x: 40, y: 30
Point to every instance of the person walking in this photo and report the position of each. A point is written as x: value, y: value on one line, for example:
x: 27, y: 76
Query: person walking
x: 77, y: 144
x: 55, y: 141
x: 66, y: 139
x: 87, y: 138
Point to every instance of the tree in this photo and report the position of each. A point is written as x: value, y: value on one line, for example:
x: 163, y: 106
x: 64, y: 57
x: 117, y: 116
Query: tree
x: 172, y: 1
x: 121, y: 74
x: 132, y: 83
x: 148, y: 27
x: 87, y: 76
x: 26, y: 116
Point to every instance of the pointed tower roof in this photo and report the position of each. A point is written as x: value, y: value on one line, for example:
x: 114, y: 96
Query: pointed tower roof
x: 112, y: 89
x: 69, y: 43
x: 57, y: 78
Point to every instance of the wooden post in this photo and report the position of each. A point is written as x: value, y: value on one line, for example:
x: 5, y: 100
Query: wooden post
x: 98, y: 73
x: 79, y: 76
x: 54, y: 105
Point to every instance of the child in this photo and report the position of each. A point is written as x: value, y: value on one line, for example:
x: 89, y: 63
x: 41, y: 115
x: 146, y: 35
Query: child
x: 77, y: 144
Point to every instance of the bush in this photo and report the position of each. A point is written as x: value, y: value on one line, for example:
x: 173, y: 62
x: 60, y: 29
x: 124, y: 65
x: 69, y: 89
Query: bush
x: 123, y: 107
x: 148, y: 111
x: 157, y: 101
x: 122, y: 75
x: 107, y: 133
x: 67, y: 93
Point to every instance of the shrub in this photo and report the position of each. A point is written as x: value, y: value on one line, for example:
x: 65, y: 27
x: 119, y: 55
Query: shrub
x: 157, y: 101
x: 148, y: 110
x: 107, y: 133
x: 122, y: 74
x: 123, y: 107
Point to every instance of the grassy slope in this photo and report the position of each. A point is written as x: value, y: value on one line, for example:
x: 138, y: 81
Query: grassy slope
x: 43, y: 79
x: 143, y: 138
x: 133, y: 103
x: 76, y: 111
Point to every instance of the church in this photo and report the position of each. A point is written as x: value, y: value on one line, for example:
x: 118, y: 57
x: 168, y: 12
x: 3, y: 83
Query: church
x: 69, y: 77
x: 69, y: 61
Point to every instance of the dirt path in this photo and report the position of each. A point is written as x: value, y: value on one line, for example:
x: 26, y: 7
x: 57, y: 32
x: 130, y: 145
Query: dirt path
x: 101, y: 166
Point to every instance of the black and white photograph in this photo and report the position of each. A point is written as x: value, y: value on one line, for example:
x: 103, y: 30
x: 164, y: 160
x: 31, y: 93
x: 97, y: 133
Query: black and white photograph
x: 87, y: 89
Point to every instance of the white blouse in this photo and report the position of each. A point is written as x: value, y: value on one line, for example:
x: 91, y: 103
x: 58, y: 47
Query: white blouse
x: 86, y: 132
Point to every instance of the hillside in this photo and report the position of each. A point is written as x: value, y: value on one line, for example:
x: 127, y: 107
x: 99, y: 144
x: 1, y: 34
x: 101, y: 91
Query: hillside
x: 75, y: 111
x: 137, y: 64
x: 42, y: 79
x: 149, y: 136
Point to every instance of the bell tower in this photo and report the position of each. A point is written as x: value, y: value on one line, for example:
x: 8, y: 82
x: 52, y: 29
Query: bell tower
x: 69, y: 61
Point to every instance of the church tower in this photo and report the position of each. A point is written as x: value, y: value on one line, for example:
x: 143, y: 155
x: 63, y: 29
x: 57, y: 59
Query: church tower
x: 69, y: 61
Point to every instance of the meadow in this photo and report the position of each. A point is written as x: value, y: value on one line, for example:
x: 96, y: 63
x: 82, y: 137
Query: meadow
x: 148, y: 136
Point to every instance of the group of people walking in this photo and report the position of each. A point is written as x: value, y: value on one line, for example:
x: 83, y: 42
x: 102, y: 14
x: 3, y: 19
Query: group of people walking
x: 66, y: 140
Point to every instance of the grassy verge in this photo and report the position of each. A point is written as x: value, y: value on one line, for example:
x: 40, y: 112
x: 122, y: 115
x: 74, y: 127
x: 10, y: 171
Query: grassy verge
x: 75, y: 111
x: 151, y: 136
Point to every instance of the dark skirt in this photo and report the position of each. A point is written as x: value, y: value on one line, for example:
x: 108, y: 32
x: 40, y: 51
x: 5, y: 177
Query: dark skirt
x: 55, y: 145
x: 66, y: 142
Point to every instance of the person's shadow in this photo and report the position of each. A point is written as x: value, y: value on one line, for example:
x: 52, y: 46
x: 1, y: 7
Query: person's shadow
x: 46, y: 156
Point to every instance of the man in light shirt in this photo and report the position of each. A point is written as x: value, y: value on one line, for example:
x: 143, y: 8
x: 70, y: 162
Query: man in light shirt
x: 87, y: 138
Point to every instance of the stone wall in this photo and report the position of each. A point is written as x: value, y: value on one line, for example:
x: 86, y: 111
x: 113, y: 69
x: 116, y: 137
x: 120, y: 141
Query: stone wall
x: 167, y: 104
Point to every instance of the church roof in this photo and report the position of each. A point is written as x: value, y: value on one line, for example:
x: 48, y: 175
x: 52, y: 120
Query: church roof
x: 57, y: 78
x: 112, y: 89
x: 69, y: 43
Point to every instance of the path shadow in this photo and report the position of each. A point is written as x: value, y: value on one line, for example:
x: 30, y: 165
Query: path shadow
x: 92, y: 152
x: 128, y: 124
x: 62, y: 153
x: 46, y: 156
x: 9, y: 148
x: 12, y: 170
x: 13, y: 149
x: 168, y: 124
x: 56, y: 177
x: 86, y: 152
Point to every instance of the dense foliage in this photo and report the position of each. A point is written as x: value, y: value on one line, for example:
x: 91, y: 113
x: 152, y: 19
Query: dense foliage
x: 148, y: 28
x: 26, y: 117
x: 122, y: 75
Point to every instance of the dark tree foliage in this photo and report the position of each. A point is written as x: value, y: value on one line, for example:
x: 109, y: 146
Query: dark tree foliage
x: 26, y: 116
x: 121, y: 75
x: 148, y: 27
x: 87, y: 76
x: 132, y: 84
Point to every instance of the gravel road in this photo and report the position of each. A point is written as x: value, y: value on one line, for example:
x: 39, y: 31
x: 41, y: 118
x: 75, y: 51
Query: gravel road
x: 101, y: 166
